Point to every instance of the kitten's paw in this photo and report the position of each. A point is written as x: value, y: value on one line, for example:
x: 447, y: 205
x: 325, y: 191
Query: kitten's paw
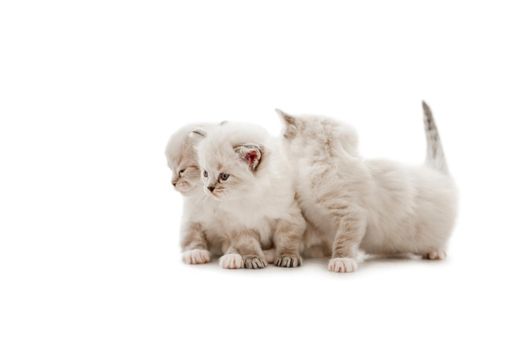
x: 253, y: 262
x: 231, y: 261
x: 291, y: 260
x: 435, y: 255
x: 342, y: 265
x: 196, y: 256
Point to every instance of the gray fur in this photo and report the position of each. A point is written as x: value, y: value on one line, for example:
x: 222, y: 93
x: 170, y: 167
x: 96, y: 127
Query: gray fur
x: 435, y: 157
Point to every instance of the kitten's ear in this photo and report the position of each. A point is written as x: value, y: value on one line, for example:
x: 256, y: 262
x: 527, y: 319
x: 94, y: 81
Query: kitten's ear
x: 250, y: 153
x: 198, y: 134
x: 290, y: 122
x: 287, y: 118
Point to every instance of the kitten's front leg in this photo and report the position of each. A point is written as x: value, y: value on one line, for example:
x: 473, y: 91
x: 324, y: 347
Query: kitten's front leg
x: 351, y: 231
x: 287, y: 240
x: 194, y: 245
x: 244, y: 251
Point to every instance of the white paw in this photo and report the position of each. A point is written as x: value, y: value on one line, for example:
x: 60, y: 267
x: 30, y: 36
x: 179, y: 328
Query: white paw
x: 231, y: 261
x: 342, y: 265
x: 196, y: 256
x: 435, y: 255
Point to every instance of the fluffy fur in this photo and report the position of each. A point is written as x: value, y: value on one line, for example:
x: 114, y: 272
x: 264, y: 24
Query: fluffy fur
x: 251, y: 200
x: 379, y: 206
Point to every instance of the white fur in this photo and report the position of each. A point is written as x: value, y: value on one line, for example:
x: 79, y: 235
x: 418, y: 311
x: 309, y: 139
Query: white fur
x: 257, y: 199
x: 231, y: 261
x: 406, y: 209
x: 196, y: 256
x: 342, y: 265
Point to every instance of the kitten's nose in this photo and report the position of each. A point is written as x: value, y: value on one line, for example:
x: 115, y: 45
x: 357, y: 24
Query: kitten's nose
x: 211, y: 188
x: 174, y: 182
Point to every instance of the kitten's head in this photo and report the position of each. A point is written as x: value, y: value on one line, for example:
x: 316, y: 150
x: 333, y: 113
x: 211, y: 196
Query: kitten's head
x: 232, y: 157
x: 301, y: 135
x: 182, y: 158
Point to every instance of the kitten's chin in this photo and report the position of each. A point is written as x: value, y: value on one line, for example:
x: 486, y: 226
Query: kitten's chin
x: 185, y: 190
x: 215, y: 196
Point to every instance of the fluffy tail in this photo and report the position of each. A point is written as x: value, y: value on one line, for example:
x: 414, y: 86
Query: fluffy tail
x: 435, y: 157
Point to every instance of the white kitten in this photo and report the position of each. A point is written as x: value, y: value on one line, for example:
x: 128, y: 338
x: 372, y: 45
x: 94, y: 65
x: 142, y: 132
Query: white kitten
x: 182, y: 160
x: 379, y: 206
x: 251, y: 197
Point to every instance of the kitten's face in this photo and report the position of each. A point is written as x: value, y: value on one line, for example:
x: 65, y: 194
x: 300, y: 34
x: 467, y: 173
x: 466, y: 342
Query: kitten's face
x: 186, y: 177
x: 228, y: 173
x: 182, y: 160
x: 186, y: 172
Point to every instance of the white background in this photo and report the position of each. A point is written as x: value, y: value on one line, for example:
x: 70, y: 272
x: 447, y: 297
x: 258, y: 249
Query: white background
x: 91, y: 90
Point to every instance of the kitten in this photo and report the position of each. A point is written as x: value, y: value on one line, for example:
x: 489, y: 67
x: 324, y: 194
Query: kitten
x: 379, y: 206
x: 182, y: 160
x: 251, y: 196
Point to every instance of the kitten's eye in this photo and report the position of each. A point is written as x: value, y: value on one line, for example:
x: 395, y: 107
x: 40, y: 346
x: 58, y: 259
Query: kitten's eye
x: 205, y: 173
x: 182, y: 171
x: 223, y: 176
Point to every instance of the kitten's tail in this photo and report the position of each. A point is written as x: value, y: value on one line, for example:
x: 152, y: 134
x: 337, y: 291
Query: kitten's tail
x: 435, y: 157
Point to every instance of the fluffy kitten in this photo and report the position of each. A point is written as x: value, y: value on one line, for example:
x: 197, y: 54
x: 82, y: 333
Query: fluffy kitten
x: 378, y: 206
x: 251, y: 197
x: 182, y: 160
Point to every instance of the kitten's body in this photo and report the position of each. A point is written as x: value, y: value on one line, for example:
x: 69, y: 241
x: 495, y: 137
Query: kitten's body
x: 207, y: 227
x: 379, y: 206
x: 255, y: 206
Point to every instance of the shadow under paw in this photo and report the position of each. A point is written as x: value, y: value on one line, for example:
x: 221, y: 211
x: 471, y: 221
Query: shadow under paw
x: 254, y: 262
x: 288, y: 261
